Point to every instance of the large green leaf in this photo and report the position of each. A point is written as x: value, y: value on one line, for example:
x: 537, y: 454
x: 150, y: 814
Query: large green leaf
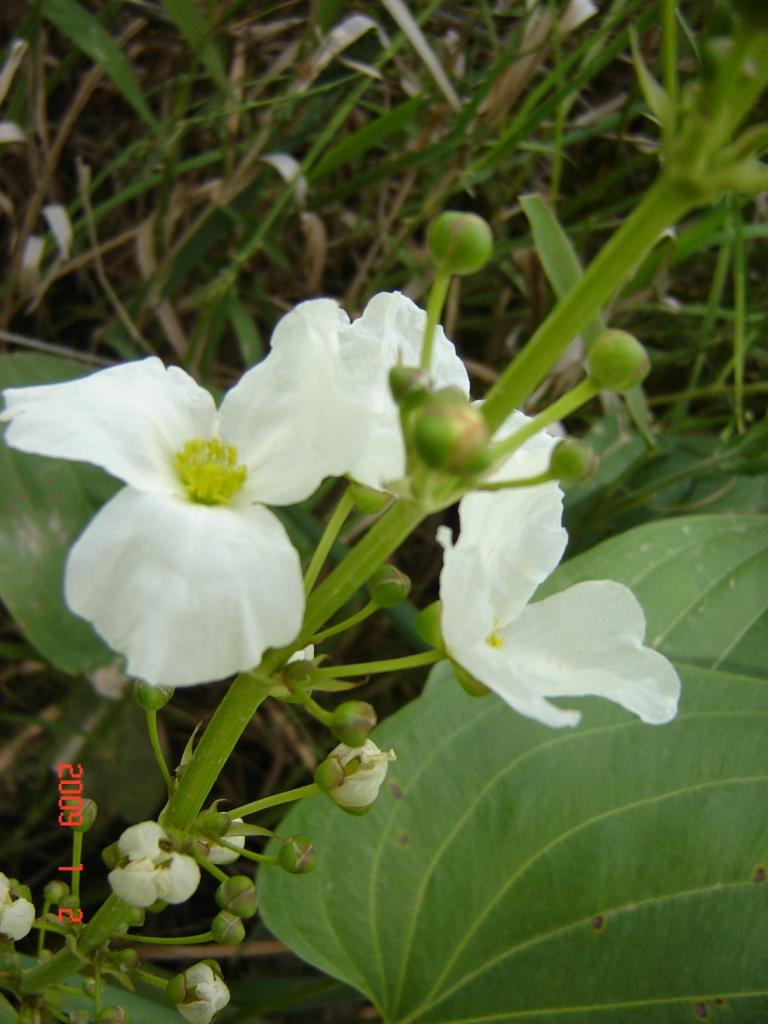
x: 44, y: 505
x: 612, y: 873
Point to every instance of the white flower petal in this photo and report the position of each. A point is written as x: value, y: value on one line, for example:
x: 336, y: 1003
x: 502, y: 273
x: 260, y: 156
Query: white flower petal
x: 294, y: 417
x: 177, y: 880
x: 589, y: 640
x: 212, y: 994
x: 128, y: 419
x: 188, y: 593
x: 222, y: 854
x: 531, y: 458
x: 16, y: 919
x: 391, y: 331
x: 510, y: 541
x: 362, y: 788
x: 142, y: 841
x: 136, y: 883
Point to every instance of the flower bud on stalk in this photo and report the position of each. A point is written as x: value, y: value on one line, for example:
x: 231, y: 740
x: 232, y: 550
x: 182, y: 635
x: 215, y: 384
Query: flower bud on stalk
x: 409, y: 386
x: 213, y: 823
x: 452, y: 435
x: 297, y: 856
x: 227, y: 929
x: 363, y: 769
x: 152, y: 698
x: 199, y: 993
x: 352, y: 721
x: 89, y: 812
x: 617, y: 361
x: 459, y: 243
x: 55, y: 892
x: 572, y: 461
x: 113, y: 1015
x: 388, y: 586
x: 238, y: 896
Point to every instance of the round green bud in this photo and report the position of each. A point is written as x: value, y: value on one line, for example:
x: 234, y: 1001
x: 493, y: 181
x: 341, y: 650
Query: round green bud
x: 409, y: 385
x: 468, y: 683
x: 126, y: 960
x: 55, y: 892
x: 367, y: 499
x: 228, y: 929
x: 329, y: 774
x: 452, y: 435
x: 79, y: 1017
x: 213, y: 823
x: 388, y: 586
x: 428, y: 625
x: 135, y: 917
x: 238, y: 896
x: 113, y: 1015
x: 352, y: 721
x: 89, y: 812
x: 297, y: 856
x: 460, y: 243
x: 617, y: 361
x: 572, y: 461
x: 152, y: 698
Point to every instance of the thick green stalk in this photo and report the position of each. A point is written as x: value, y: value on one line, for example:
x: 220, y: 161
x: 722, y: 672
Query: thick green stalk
x: 665, y: 203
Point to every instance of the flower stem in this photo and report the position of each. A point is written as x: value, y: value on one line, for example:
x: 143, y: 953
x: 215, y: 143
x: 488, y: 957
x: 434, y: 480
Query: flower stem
x: 300, y: 793
x: 154, y: 740
x: 369, y: 668
x: 340, y: 627
x: 161, y: 940
x: 665, y: 203
x: 435, y: 303
x: 585, y: 390
x: 77, y: 853
x: 217, y: 873
x: 335, y: 523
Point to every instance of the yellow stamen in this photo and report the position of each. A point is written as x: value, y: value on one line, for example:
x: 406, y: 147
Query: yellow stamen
x: 209, y: 471
x: 494, y: 638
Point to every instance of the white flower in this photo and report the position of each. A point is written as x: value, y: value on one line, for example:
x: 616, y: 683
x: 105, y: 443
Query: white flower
x: 16, y: 912
x: 185, y: 571
x: 209, y: 993
x: 360, y: 788
x: 222, y: 854
x: 390, y: 330
x: 587, y: 639
x: 152, y: 870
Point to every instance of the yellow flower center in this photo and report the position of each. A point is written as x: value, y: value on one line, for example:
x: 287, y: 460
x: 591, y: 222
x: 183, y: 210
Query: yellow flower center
x: 209, y: 471
x: 494, y: 638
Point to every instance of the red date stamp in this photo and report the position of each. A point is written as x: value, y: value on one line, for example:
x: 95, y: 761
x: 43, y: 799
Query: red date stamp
x: 70, y: 816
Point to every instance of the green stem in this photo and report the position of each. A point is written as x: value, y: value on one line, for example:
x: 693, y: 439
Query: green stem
x: 369, y: 668
x: 211, y: 868
x: 669, y: 51
x: 151, y: 979
x: 335, y: 523
x: 435, y: 303
x: 739, y: 310
x: 7, y: 1013
x: 273, y: 801
x: 583, y: 392
x: 664, y: 204
x: 345, y: 624
x: 159, y: 940
x: 154, y: 740
x: 77, y: 854
x: 529, y: 481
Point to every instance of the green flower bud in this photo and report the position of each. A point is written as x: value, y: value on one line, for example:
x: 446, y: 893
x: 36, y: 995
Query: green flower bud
x: 89, y: 812
x: 617, y: 361
x: 367, y: 499
x: 213, y: 823
x: 113, y: 1015
x: 428, y: 625
x: 388, y: 586
x: 572, y: 461
x: 460, y: 243
x: 409, y: 385
x: 152, y: 698
x: 79, y: 1017
x: 469, y: 684
x: 238, y: 896
x: 125, y: 960
x: 450, y: 434
x: 135, y: 917
x: 55, y: 892
x: 352, y: 721
x: 228, y: 929
x: 329, y: 774
x: 297, y: 856
x: 298, y: 675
